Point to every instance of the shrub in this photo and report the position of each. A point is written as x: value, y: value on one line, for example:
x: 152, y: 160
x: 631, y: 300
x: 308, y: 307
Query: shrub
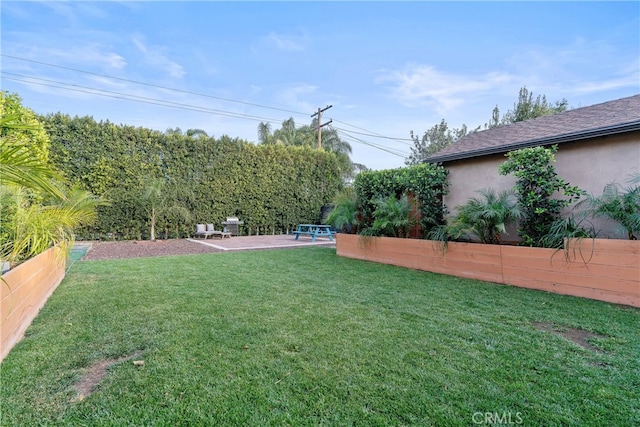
x: 536, y: 182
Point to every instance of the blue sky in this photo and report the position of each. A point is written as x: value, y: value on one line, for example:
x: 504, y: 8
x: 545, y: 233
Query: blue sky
x: 386, y: 67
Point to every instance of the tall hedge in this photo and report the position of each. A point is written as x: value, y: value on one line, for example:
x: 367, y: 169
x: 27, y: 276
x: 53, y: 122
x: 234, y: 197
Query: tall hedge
x: 269, y: 187
x: 426, y: 182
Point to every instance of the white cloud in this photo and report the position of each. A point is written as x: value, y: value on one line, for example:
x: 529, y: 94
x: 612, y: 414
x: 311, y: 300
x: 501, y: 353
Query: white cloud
x: 607, y: 85
x: 292, y: 96
x: 90, y: 54
x: 423, y: 84
x: 284, y: 42
x: 154, y: 56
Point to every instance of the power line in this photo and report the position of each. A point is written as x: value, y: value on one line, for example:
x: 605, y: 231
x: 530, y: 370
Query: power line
x: 389, y: 150
x: 401, y: 140
x: 129, y: 97
x: 181, y: 106
x: 371, y: 133
x: 153, y: 85
x: 374, y: 134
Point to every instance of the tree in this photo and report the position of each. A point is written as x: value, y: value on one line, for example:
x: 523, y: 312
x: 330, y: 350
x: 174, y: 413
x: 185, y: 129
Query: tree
x: 432, y: 141
x: 526, y: 108
x: 344, y: 215
x: 37, y: 210
x: 536, y: 182
x: 440, y: 136
x: 307, y: 136
x: 159, y: 202
x: 24, y: 148
x: 264, y: 133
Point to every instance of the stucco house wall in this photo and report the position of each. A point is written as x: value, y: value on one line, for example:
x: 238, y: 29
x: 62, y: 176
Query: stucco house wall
x: 596, y: 145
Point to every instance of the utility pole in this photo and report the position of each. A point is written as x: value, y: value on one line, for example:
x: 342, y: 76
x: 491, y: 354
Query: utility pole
x: 320, y: 126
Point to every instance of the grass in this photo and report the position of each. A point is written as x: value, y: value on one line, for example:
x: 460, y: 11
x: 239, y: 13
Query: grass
x: 302, y: 337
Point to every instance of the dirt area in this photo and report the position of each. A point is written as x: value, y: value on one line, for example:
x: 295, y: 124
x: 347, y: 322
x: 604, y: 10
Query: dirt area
x: 578, y: 336
x: 142, y: 249
x: 96, y: 372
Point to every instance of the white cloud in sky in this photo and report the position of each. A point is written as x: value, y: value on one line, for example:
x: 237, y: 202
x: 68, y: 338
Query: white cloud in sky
x: 295, y: 94
x: 423, y: 84
x: 88, y: 55
x: 155, y: 57
x: 286, y: 43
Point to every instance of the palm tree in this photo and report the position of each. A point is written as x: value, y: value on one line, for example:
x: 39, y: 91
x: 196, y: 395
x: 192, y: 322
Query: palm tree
x: 36, y: 211
x: 344, y: 215
x: 264, y: 133
x: 159, y: 200
x: 619, y: 204
x: 34, y: 228
x: 18, y: 164
x: 307, y: 136
x: 487, y: 216
x: 394, y: 217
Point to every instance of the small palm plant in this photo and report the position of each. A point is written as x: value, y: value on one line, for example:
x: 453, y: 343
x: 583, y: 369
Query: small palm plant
x: 344, y: 215
x: 157, y: 195
x: 619, y: 204
x: 35, y: 227
x: 486, y: 216
x: 394, y: 217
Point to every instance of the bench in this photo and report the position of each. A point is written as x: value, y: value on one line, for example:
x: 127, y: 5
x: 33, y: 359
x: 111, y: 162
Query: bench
x: 314, y: 230
x: 208, y: 231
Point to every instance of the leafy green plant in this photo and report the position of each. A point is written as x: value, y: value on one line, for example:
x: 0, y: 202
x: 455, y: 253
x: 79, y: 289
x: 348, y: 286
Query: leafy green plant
x: 536, y: 182
x: 426, y: 182
x: 37, y: 210
x: 158, y: 197
x: 344, y: 215
x: 268, y: 186
x: 35, y: 227
x: 569, y: 227
x: 486, y: 216
x: 619, y: 204
x: 394, y: 217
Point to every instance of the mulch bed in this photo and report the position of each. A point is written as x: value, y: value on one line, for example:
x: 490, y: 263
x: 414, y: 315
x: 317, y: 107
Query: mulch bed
x: 142, y: 249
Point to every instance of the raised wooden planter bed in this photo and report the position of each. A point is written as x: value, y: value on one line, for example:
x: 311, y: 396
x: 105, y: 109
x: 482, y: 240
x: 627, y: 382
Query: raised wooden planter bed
x: 605, y: 270
x: 24, y: 291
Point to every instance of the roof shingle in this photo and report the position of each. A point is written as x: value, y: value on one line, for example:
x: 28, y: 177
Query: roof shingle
x: 622, y: 115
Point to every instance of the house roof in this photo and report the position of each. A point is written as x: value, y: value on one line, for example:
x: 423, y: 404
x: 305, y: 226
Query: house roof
x: 608, y: 118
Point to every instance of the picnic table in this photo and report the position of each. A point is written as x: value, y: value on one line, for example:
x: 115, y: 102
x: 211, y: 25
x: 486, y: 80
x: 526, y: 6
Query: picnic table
x: 314, y: 230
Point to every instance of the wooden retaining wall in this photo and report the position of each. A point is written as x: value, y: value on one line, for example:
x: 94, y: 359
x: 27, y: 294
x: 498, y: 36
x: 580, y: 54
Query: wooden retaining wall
x: 24, y: 291
x: 605, y: 270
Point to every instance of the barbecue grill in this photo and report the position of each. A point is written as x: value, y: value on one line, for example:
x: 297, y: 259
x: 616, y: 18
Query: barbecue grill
x: 231, y: 225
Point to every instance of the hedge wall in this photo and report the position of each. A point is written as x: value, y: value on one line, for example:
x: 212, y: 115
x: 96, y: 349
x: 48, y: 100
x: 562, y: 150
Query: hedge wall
x: 426, y: 182
x: 269, y: 187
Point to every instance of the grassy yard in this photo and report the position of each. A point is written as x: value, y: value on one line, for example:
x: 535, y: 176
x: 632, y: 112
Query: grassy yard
x: 302, y: 337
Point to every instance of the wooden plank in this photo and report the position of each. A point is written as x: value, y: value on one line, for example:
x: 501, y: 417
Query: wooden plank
x: 513, y: 274
x: 580, y: 268
x: 30, y: 285
x: 607, y: 245
x: 632, y: 299
x: 612, y: 273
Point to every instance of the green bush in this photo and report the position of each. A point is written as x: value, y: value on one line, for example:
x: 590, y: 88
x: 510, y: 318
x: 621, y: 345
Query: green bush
x: 270, y: 187
x: 536, y: 182
x: 426, y: 183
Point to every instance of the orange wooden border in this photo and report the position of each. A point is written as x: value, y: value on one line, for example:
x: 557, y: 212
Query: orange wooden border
x: 24, y: 291
x: 606, y: 270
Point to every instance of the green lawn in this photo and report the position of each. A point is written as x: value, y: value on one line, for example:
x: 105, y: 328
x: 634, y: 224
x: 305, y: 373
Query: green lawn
x: 303, y: 337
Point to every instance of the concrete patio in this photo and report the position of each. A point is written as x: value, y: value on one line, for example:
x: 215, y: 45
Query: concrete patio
x: 243, y: 243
